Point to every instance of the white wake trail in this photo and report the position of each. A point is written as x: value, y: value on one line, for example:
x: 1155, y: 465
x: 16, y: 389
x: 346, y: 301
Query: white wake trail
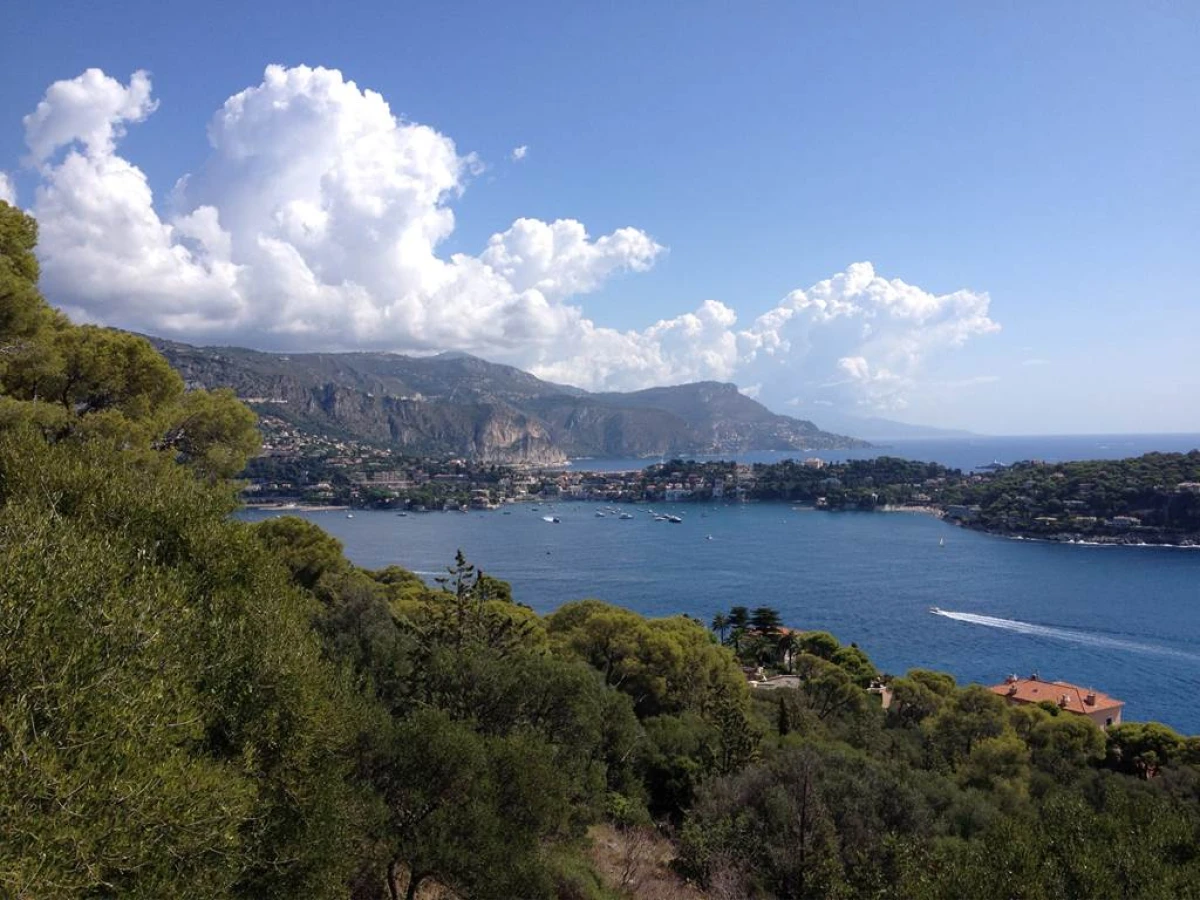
x: 1086, y: 638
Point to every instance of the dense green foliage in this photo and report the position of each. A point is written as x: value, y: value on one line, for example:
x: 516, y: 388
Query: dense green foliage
x: 201, y: 707
x: 1158, y: 492
x: 855, y: 484
x: 1153, y: 498
x: 950, y: 793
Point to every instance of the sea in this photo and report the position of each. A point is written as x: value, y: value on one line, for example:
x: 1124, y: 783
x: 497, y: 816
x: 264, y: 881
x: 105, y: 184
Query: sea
x: 910, y: 589
x: 964, y: 453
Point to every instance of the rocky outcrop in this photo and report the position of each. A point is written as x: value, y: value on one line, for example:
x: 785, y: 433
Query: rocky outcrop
x: 460, y: 405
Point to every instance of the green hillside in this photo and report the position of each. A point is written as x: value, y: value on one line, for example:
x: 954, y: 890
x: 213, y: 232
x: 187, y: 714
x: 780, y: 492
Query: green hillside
x: 196, y: 706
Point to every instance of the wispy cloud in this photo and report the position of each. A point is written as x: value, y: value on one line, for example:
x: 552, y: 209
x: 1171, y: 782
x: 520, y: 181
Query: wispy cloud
x: 970, y: 381
x: 519, y: 153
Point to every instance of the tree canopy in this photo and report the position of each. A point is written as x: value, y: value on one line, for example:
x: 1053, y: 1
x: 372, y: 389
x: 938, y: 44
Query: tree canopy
x: 196, y: 705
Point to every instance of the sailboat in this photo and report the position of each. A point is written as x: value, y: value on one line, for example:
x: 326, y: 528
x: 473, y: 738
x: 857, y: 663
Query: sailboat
x: 941, y: 542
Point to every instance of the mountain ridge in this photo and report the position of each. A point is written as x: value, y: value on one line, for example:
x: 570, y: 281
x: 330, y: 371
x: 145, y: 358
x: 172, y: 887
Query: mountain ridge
x: 877, y: 428
x: 459, y: 404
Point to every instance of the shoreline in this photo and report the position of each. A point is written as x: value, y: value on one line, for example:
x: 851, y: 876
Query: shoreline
x: 295, y: 507
x: 1064, y: 538
x: 1076, y: 542
x: 919, y: 510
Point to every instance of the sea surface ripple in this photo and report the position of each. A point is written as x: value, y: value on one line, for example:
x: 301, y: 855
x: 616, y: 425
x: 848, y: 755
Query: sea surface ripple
x: 1125, y: 621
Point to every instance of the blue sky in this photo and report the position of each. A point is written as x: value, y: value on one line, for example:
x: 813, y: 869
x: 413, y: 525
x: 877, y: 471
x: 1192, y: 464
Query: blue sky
x: 1043, y: 154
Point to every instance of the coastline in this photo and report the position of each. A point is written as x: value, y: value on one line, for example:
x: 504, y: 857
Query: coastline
x: 1073, y: 541
x: 1067, y: 538
x: 920, y: 510
x: 294, y: 507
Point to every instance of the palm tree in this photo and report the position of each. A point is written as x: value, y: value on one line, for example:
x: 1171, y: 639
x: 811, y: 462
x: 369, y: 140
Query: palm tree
x: 739, y: 621
x: 720, y: 624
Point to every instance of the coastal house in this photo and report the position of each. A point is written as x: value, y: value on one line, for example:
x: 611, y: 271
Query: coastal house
x: 774, y: 682
x: 883, y: 691
x: 676, y: 492
x: 1102, y: 709
x: 961, y: 513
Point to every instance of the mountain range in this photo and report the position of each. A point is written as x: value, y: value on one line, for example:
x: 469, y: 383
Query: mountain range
x: 458, y: 404
x: 875, y: 428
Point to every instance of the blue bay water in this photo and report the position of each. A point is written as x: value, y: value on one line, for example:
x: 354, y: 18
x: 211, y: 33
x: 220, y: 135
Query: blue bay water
x: 1125, y: 620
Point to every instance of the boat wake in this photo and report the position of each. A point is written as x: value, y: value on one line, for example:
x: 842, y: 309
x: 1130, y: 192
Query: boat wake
x: 1087, y: 638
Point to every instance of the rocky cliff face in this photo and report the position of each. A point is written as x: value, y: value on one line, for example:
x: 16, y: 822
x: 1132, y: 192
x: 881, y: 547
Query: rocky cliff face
x: 459, y: 405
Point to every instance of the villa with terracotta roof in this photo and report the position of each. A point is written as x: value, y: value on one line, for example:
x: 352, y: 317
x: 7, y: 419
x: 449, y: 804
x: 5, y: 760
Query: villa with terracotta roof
x: 1102, y: 709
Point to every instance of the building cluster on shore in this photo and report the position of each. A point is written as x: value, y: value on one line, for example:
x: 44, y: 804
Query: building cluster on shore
x: 1155, y: 499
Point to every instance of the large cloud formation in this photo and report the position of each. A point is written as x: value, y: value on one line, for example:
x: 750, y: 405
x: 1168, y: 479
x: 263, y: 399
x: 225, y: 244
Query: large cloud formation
x: 315, y: 223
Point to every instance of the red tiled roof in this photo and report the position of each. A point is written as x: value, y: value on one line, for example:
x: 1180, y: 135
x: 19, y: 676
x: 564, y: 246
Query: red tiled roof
x: 1067, y: 696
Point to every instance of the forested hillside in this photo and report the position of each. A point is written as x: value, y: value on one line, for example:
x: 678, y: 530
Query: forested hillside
x: 195, y: 706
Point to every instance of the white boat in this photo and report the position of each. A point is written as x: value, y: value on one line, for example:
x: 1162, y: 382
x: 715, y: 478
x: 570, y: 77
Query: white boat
x: 599, y: 515
x: 941, y: 542
x: 675, y: 520
x: 552, y: 519
x: 625, y: 516
x: 349, y: 515
x: 935, y: 610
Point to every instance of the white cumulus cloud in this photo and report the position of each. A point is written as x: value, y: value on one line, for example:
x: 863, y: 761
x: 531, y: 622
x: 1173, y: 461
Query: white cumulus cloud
x: 91, y: 109
x: 8, y: 191
x: 315, y: 222
x: 858, y: 338
x: 519, y: 153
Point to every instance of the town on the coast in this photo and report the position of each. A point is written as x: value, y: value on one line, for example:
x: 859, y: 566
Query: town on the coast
x: 1154, y: 499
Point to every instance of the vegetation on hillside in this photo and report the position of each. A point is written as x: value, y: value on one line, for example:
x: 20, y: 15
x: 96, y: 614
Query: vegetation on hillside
x: 194, y: 705
x: 1156, y: 496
